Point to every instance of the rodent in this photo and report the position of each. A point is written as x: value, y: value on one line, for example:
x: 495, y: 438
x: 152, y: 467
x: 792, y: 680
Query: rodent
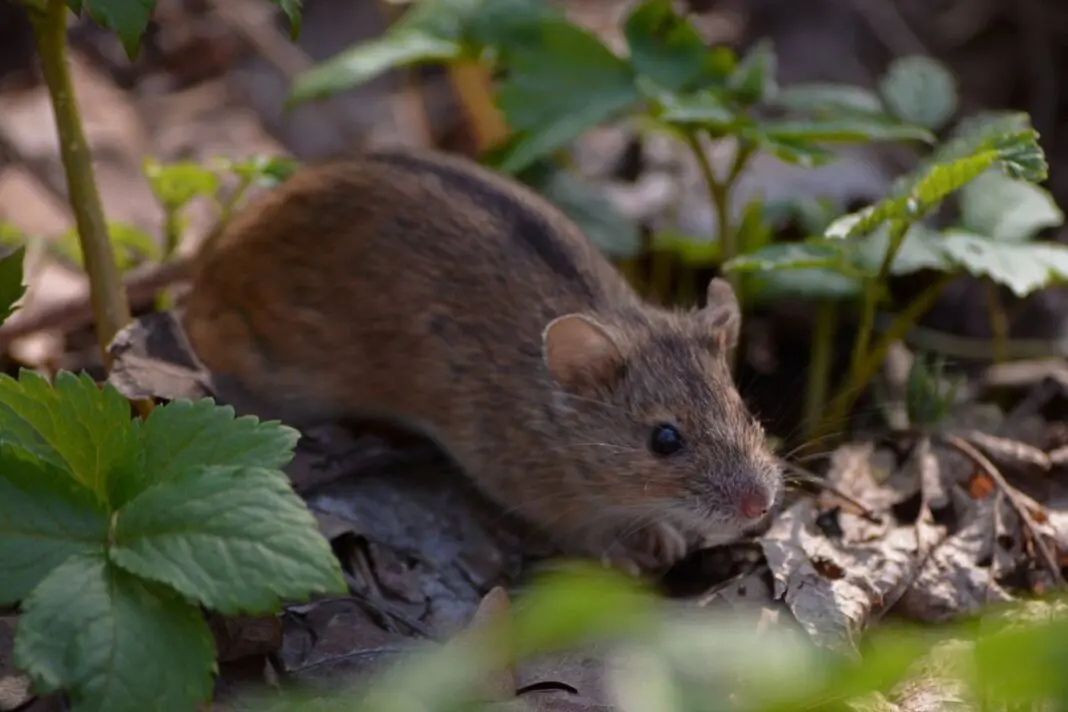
x: 420, y: 287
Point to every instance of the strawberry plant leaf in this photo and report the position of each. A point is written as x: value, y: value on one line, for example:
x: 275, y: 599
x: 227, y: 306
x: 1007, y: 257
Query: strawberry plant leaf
x: 175, y: 184
x: 184, y: 435
x: 829, y: 284
x: 706, y: 109
x: 849, y: 129
x: 561, y: 82
x: 824, y: 99
x: 664, y: 47
x: 127, y: 18
x: 754, y: 79
x: 920, y: 90
x: 236, y: 539
x: 45, y: 518
x: 788, y: 256
x: 1004, y: 208
x: 103, y: 635
x: 291, y: 8
x: 919, y: 250
x: 364, y: 61
x: 132, y: 245
x: 74, y: 425
x: 1022, y: 267
x: 953, y: 165
x: 11, y: 284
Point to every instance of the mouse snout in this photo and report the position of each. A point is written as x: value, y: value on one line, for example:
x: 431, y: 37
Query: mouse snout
x: 753, y: 503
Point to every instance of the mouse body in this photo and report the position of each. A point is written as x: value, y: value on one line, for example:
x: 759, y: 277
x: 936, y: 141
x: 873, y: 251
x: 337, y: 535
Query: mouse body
x: 422, y: 288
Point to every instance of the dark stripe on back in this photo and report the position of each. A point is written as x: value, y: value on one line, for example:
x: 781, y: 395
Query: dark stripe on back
x: 534, y: 231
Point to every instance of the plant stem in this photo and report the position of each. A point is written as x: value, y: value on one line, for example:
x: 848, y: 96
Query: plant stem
x: 844, y: 400
x: 819, y: 367
x: 474, y: 87
x: 999, y: 322
x: 110, y: 308
x: 872, y: 291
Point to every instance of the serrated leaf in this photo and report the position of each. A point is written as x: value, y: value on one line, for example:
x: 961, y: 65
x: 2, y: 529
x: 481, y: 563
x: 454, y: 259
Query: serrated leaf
x: 920, y: 90
x: 664, y: 46
x: 185, y: 435
x: 849, y: 129
x: 798, y: 152
x: 11, y: 284
x: 1004, y: 208
x: 236, y: 539
x: 754, y: 80
x: 128, y: 18
x: 114, y: 643
x: 1022, y: 267
x: 74, y: 425
x: 175, y: 184
x: 365, y: 61
x: 45, y: 518
x: 788, y: 256
x: 828, y: 99
x: 561, y: 82
x: 952, y: 166
x: 292, y: 10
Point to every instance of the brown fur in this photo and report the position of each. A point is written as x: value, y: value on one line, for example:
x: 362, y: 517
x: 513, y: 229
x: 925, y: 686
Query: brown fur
x: 423, y: 288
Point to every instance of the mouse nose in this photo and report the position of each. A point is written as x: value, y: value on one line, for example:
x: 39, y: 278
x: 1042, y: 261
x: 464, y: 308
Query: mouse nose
x: 753, y: 504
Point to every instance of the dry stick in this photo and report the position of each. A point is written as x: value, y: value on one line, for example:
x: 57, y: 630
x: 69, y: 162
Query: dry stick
x: 1015, y: 498
x: 802, y: 475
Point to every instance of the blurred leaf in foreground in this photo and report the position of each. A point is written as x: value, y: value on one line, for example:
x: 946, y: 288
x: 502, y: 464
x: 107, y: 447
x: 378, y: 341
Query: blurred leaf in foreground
x: 11, y: 285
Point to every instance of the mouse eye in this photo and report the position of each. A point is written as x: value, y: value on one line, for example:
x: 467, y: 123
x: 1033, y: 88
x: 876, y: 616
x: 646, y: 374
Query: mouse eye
x: 666, y: 440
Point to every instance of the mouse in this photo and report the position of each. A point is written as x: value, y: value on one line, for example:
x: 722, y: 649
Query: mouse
x: 421, y: 288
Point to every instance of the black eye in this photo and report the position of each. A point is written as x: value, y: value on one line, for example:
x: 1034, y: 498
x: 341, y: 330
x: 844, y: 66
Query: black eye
x: 666, y: 440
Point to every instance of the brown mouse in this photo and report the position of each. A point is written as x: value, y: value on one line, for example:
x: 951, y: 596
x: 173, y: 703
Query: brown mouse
x: 422, y: 288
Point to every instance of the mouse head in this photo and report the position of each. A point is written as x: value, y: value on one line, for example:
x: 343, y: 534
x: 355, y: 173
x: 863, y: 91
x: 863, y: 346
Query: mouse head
x: 655, y: 428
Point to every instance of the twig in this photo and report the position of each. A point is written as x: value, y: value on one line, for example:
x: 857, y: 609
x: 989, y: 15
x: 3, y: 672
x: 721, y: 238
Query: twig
x: 802, y: 475
x: 1016, y: 499
x: 76, y: 311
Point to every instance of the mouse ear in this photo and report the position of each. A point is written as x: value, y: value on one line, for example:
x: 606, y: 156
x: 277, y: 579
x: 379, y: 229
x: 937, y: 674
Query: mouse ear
x: 721, y: 314
x: 580, y: 352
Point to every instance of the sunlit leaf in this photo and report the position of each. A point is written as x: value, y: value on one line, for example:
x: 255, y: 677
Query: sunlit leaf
x: 1004, y: 208
x: 1022, y: 267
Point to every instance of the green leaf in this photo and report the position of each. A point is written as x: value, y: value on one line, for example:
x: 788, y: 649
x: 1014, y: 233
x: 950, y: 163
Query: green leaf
x: 849, y: 129
x: 706, y: 109
x: 292, y: 10
x: 73, y: 425
x: 561, y: 82
x: 799, y: 152
x: 1022, y: 267
x: 175, y: 184
x: 365, y: 61
x: 1004, y: 208
x: 952, y: 166
x: 920, y: 90
x: 11, y: 285
x: 815, y: 283
x: 133, y: 245
x: 45, y: 518
x: 754, y: 80
x: 616, y: 235
x: 788, y: 256
x: 75, y: 6
x: 919, y: 250
x: 128, y: 18
x: 184, y: 435
x: 693, y: 251
x: 266, y: 171
x: 114, y: 643
x: 829, y: 99
x: 236, y: 539
x: 664, y: 46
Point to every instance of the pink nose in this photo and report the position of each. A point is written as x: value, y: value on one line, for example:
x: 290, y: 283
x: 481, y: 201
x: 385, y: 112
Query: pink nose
x: 753, y: 505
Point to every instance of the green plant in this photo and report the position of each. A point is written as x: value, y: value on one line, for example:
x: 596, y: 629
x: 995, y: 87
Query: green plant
x: 864, y: 249
x: 113, y: 531
x: 557, y: 81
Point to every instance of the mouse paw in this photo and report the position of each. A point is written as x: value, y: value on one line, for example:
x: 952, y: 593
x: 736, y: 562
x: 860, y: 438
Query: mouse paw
x: 651, y: 549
